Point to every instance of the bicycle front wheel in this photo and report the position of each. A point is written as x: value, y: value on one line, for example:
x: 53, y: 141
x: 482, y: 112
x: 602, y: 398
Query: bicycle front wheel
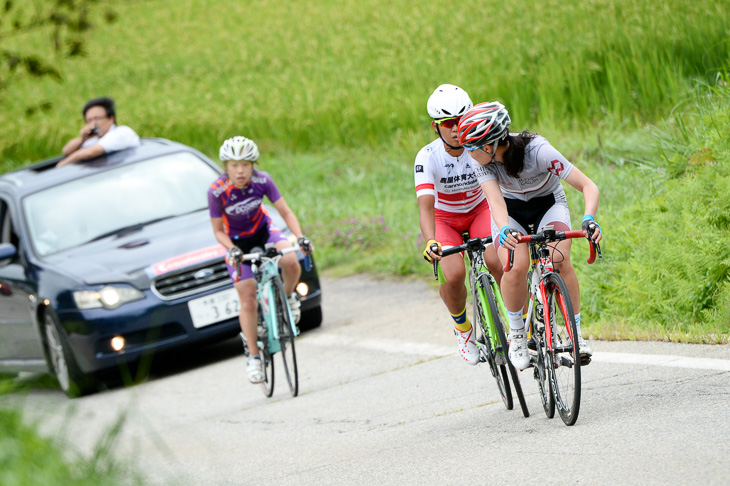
x: 287, y: 334
x: 563, y: 358
x: 490, y: 349
x: 267, y: 361
x: 537, y: 344
x: 500, y: 320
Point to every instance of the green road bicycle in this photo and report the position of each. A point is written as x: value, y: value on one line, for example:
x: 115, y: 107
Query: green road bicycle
x: 490, y: 316
x: 276, y: 326
x: 554, y: 353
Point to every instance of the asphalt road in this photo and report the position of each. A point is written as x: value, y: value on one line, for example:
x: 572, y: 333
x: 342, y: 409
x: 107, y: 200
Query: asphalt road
x: 385, y: 400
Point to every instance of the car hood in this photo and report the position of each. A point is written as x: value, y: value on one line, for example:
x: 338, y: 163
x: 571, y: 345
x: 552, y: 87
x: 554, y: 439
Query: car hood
x: 137, y: 257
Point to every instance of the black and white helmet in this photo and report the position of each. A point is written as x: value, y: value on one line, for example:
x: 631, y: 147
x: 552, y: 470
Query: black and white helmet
x: 448, y: 101
x: 239, y: 148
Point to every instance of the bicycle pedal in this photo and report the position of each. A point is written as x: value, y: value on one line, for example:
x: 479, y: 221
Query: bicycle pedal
x: 532, y: 345
x: 585, y: 360
x: 481, y: 340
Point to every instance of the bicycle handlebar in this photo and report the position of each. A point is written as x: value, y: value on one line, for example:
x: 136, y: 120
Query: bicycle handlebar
x: 548, y: 236
x: 257, y: 254
x: 474, y: 244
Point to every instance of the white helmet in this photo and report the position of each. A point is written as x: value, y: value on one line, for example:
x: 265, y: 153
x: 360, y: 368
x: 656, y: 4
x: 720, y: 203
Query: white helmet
x: 448, y: 101
x: 239, y: 148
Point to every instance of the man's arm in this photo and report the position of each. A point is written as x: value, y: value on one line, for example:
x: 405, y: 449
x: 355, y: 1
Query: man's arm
x: 83, y: 154
x: 72, y: 146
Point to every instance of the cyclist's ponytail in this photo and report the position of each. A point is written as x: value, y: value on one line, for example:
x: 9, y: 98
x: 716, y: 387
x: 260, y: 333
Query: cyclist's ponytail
x: 514, y: 157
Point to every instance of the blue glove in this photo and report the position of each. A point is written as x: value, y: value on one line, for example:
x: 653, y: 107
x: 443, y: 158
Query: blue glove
x: 503, y: 234
x: 587, y: 221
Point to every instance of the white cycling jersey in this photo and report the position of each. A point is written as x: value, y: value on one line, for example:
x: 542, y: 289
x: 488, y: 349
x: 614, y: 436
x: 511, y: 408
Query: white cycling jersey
x: 449, y: 179
x: 544, y: 167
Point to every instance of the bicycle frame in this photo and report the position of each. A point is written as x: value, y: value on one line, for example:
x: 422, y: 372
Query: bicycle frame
x: 478, y: 268
x: 473, y: 249
x: 265, y: 269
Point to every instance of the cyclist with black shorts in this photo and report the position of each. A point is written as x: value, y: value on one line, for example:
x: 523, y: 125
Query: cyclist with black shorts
x: 520, y: 175
x: 450, y: 202
x: 241, y: 223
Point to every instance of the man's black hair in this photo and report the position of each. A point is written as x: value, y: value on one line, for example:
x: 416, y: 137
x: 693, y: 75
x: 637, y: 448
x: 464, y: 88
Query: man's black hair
x: 106, y: 103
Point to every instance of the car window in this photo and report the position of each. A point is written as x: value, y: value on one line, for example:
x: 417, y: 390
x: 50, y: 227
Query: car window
x: 78, y: 211
x: 4, y: 222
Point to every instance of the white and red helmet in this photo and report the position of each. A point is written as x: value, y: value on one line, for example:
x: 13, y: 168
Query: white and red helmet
x: 239, y: 148
x: 484, y: 124
x: 448, y: 101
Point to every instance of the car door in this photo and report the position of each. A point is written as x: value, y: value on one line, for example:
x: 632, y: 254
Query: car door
x: 20, y: 343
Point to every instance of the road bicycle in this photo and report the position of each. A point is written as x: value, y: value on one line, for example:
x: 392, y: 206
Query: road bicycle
x: 276, y: 327
x: 490, y: 317
x: 552, y: 332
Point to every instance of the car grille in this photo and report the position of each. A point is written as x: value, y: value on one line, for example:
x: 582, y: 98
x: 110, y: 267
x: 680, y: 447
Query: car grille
x: 191, y: 280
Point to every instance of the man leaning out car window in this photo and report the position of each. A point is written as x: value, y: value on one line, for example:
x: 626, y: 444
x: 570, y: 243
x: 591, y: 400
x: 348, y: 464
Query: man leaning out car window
x: 100, y: 134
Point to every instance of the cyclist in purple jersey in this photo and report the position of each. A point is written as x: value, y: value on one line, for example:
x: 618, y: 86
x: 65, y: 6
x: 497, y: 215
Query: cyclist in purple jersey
x: 241, y: 223
x: 520, y: 174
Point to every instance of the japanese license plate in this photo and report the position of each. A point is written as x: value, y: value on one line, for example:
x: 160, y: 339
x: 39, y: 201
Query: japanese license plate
x: 213, y: 308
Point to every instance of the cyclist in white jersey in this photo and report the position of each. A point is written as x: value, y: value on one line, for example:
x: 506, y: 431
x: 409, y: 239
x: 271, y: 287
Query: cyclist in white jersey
x: 520, y: 175
x: 450, y: 201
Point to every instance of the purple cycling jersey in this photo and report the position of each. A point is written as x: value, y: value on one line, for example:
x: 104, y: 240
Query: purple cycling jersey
x: 241, y: 209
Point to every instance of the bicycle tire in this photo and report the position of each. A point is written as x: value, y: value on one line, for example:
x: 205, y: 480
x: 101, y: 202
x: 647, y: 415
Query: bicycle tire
x: 563, y: 360
x: 537, y: 340
x: 499, y: 324
x: 286, y: 338
x: 267, y: 361
x: 489, y: 351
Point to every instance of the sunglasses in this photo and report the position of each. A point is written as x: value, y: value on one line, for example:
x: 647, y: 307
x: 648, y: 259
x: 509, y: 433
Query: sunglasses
x: 448, y: 122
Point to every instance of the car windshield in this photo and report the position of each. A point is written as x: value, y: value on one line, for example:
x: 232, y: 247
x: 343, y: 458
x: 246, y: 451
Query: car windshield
x: 116, y: 201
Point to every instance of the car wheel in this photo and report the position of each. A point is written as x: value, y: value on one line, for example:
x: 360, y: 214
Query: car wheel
x: 311, y: 319
x: 61, y: 361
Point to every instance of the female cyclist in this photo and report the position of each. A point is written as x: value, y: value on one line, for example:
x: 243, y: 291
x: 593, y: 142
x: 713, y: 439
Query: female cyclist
x: 450, y: 201
x: 520, y: 175
x: 241, y: 223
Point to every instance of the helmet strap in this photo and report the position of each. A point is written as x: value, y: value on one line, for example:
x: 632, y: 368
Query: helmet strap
x: 447, y: 143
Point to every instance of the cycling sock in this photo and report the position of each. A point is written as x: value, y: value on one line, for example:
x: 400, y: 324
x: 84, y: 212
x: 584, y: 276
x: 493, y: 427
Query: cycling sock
x: 254, y: 356
x: 577, y: 323
x: 461, y: 321
x: 515, y: 321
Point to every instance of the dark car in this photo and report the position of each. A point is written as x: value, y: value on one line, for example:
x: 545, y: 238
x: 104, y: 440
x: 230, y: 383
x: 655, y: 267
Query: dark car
x: 104, y: 261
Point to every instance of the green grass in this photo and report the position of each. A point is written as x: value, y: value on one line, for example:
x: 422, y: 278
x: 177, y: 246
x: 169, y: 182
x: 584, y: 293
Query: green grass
x: 667, y: 271
x: 314, y: 75
x: 334, y: 93
x: 28, y: 458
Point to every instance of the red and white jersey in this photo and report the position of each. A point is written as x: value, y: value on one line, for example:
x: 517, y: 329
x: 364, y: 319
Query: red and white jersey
x: 449, y: 179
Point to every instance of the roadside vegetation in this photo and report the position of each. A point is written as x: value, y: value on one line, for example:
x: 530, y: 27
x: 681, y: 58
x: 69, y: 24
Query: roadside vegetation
x: 28, y: 458
x: 334, y: 93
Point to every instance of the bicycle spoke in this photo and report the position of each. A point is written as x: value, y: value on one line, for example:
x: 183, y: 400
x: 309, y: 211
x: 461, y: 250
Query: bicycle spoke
x: 563, y: 360
x: 286, y: 340
x: 537, y: 346
x: 490, y: 347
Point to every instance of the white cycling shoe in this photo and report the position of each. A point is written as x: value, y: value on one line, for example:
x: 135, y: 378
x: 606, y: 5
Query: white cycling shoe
x: 467, y: 346
x: 584, y: 349
x: 255, y: 370
x: 519, y: 355
x: 295, y: 306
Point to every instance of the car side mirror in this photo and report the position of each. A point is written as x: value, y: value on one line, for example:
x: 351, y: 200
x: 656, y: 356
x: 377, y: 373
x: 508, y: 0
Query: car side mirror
x: 7, y: 250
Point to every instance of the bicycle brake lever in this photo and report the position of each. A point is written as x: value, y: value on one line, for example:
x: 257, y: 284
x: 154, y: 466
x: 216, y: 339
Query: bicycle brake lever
x: 435, y: 269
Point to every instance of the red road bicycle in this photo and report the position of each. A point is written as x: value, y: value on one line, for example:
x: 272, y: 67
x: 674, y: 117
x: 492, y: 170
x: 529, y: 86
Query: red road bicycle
x: 553, y: 346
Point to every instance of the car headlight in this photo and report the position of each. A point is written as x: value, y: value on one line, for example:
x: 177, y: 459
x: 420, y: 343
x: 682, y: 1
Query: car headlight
x: 109, y: 297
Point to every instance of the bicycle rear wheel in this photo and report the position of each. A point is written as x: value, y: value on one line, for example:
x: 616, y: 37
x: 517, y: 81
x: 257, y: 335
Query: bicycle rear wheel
x: 500, y: 320
x: 267, y: 361
x: 490, y: 350
x: 286, y: 338
x: 563, y: 360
